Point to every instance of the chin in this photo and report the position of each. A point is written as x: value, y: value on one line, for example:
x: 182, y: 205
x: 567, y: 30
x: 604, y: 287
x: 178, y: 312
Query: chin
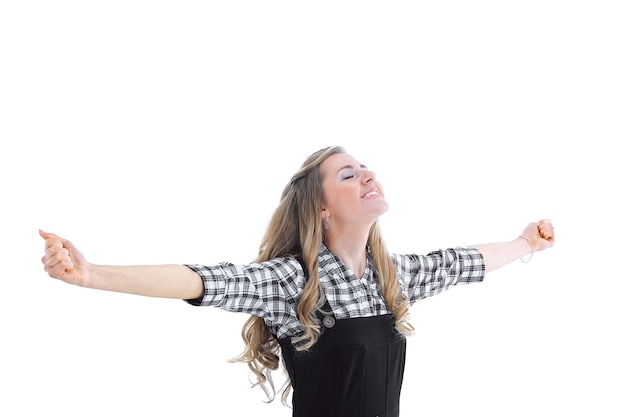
x: 382, y: 210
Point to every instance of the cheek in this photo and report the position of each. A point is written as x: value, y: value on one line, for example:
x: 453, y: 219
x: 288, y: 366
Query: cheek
x: 331, y: 196
x: 381, y: 189
x: 342, y: 198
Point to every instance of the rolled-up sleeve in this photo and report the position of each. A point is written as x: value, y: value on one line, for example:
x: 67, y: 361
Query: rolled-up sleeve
x: 422, y: 276
x: 267, y: 289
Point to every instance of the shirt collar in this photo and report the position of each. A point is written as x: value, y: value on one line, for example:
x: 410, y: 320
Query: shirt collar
x: 334, y: 267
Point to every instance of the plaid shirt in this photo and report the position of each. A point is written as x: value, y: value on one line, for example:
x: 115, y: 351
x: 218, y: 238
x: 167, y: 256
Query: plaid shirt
x: 271, y: 289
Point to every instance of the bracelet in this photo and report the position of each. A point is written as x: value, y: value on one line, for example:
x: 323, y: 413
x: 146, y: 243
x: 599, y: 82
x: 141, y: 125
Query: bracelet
x: 532, y: 249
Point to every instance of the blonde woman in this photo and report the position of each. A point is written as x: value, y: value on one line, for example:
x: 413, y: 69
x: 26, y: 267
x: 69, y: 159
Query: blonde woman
x: 324, y: 294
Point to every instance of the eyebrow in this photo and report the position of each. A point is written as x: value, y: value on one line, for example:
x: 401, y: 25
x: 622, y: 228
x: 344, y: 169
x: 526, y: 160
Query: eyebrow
x: 350, y: 167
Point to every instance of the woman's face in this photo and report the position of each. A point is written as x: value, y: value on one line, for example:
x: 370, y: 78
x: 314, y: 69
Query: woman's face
x: 351, y: 193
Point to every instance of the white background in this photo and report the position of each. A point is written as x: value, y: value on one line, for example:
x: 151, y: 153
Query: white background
x: 163, y: 132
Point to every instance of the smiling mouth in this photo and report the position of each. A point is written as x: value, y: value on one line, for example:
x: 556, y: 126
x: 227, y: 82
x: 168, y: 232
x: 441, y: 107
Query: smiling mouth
x: 372, y: 193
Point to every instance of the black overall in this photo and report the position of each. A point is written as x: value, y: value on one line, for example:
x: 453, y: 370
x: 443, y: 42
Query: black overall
x: 355, y: 369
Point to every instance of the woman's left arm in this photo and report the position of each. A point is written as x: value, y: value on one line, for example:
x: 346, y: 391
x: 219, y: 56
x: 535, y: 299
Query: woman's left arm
x: 536, y: 237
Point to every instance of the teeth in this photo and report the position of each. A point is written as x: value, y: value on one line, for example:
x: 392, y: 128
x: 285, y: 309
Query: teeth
x: 370, y: 194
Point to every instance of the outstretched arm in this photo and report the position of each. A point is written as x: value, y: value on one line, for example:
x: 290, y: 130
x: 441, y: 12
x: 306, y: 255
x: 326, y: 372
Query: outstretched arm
x: 63, y: 261
x: 536, y: 237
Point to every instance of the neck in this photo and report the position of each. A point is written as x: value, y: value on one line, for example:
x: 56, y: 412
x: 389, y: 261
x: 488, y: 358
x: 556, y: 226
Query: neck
x: 350, y: 247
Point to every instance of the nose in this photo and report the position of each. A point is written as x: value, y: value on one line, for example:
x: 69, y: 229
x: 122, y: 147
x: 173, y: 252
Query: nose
x: 367, y: 176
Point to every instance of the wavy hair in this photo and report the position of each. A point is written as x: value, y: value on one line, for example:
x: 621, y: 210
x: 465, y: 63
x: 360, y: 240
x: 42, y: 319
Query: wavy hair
x: 295, y: 229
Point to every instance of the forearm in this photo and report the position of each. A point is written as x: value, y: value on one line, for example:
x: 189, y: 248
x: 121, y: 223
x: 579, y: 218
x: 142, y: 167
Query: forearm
x: 499, y: 254
x: 166, y: 281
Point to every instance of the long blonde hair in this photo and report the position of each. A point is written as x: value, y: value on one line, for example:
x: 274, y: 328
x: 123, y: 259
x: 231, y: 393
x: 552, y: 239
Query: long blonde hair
x: 295, y: 229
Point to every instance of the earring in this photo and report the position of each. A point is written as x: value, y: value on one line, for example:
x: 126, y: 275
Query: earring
x: 326, y: 224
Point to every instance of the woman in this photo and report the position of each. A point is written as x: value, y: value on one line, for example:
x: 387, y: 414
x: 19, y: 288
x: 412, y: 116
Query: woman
x: 323, y: 293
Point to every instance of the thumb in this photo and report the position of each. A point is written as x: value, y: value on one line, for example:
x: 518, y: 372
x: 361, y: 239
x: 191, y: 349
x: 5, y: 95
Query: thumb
x: 55, y: 240
x: 47, y: 236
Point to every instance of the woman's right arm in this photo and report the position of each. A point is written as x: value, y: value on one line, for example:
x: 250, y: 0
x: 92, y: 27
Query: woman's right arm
x: 63, y: 261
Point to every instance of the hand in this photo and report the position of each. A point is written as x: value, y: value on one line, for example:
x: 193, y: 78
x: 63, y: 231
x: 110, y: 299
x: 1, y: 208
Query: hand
x: 63, y: 261
x: 540, y: 234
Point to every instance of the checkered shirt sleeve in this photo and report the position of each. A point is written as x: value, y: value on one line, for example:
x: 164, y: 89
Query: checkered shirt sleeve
x: 269, y: 289
x: 423, y: 276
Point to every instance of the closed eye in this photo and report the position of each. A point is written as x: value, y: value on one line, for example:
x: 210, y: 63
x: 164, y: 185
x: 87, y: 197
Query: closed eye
x: 349, y: 171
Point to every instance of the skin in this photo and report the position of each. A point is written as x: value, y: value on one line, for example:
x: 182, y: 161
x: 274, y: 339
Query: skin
x: 352, y: 201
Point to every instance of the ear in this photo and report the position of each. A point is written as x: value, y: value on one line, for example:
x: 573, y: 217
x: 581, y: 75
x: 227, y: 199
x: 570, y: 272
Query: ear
x: 324, y: 214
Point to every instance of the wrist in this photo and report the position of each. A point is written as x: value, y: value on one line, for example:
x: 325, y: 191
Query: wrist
x: 91, y: 274
x: 531, y: 246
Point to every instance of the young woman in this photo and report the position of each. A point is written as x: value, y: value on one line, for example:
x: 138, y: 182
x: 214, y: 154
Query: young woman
x: 324, y: 293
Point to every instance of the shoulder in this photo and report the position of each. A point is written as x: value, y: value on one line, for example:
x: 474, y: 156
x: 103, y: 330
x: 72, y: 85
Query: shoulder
x: 285, y: 265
